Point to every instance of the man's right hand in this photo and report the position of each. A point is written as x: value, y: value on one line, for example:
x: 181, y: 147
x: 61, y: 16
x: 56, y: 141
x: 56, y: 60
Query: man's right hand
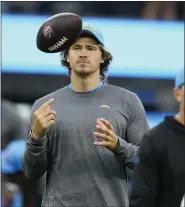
x: 43, y: 118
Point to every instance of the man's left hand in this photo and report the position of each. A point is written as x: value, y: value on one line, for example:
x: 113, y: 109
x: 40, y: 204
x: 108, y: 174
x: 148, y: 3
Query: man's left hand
x: 110, y: 139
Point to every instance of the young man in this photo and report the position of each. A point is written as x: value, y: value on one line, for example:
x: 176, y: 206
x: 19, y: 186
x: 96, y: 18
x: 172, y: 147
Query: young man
x: 159, y: 179
x: 85, y: 134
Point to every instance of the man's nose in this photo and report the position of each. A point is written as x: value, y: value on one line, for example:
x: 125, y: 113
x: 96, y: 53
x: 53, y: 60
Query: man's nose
x: 83, y: 52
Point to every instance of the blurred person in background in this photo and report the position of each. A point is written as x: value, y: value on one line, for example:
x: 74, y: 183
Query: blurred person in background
x: 18, y: 191
x: 69, y: 6
x: 11, y: 170
x: 164, y: 10
x: 159, y: 176
x: 27, y: 7
x: 12, y: 126
x: 11, y: 196
x: 84, y: 155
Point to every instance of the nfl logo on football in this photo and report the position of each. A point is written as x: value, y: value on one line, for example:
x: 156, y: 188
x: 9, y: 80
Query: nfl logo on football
x: 48, y: 32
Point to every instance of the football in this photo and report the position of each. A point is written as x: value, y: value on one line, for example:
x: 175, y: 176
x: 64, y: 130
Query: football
x: 59, y: 32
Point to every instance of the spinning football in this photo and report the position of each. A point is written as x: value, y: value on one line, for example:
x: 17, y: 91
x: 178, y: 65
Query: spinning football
x: 59, y: 32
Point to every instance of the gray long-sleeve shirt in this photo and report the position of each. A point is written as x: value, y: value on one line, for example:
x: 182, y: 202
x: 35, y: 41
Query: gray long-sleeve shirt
x: 78, y: 172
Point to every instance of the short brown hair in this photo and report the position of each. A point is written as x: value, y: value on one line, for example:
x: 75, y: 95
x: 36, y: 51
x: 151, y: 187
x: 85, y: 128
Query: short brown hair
x: 103, y: 66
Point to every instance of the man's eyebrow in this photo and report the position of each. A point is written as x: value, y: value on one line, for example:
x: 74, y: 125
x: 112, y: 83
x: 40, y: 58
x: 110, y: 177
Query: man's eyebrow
x: 92, y: 45
x: 76, y: 45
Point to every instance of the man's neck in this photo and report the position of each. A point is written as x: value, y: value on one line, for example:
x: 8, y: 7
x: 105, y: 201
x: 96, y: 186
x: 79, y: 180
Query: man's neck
x: 84, y: 84
x: 180, y: 117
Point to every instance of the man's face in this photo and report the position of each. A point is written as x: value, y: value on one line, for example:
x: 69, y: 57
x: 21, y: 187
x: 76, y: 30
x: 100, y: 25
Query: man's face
x: 85, y: 57
x: 180, y: 96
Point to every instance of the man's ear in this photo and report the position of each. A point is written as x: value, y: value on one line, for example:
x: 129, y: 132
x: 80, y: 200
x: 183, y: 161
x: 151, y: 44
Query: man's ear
x: 102, y: 60
x: 176, y: 94
x: 67, y: 58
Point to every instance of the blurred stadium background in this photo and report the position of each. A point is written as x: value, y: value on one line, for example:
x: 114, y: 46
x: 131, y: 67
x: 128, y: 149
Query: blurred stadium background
x: 147, y: 43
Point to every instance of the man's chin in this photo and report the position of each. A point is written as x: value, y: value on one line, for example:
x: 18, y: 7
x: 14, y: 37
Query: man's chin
x: 83, y: 74
x: 83, y: 71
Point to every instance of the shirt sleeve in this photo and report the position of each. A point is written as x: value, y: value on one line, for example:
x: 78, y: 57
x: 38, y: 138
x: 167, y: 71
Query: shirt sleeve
x: 127, y: 149
x: 35, y: 157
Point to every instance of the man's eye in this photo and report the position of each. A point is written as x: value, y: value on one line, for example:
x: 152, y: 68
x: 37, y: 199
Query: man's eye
x: 91, y: 48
